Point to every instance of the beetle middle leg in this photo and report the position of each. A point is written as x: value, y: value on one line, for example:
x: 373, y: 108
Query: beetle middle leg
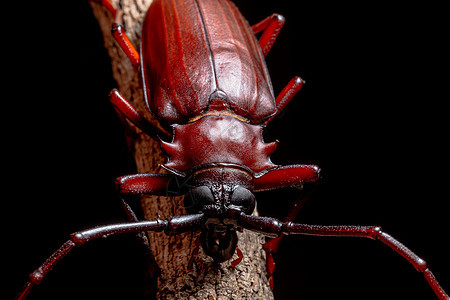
x: 123, y: 107
x: 286, y: 95
x: 271, y: 27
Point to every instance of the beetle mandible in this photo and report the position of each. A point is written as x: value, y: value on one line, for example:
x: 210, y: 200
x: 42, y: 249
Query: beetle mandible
x: 213, y: 84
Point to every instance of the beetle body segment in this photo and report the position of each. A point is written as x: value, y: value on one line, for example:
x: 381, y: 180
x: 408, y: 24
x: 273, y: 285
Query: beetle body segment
x: 184, y: 69
x: 219, y: 139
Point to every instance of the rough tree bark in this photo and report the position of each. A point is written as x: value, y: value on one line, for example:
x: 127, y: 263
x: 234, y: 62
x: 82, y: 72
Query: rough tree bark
x: 204, y: 279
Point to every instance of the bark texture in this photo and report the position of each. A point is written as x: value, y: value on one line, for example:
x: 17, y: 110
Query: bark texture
x: 201, y: 279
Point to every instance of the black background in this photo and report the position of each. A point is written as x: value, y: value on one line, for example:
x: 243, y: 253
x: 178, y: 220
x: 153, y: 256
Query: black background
x: 373, y: 115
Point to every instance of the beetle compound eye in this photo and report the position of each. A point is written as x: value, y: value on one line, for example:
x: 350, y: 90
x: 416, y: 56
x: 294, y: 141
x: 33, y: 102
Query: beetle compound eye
x: 196, y: 198
x: 244, y: 199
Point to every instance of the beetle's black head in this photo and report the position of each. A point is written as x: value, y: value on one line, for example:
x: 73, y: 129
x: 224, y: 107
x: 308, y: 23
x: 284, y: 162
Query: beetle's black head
x: 220, y: 193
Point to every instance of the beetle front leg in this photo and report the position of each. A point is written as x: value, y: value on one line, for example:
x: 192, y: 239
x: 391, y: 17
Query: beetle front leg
x: 271, y: 246
x: 140, y: 184
x: 150, y: 184
x: 286, y: 176
x: 152, y: 267
x: 175, y: 225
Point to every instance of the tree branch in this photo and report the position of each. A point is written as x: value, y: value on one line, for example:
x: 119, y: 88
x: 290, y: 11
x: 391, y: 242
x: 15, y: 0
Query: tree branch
x: 200, y: 279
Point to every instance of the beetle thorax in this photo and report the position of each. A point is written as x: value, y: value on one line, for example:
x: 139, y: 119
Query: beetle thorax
x: 218, y: 139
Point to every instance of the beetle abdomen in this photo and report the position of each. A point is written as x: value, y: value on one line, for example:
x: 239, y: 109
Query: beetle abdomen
x: 182, y: 69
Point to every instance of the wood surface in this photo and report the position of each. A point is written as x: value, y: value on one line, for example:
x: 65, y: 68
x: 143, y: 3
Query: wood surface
x: 179, y: 280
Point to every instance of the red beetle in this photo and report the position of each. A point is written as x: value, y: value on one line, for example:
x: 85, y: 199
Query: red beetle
x: 206, y: 81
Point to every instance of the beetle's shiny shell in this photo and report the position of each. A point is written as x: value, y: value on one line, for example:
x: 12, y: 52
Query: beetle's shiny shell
x: 196, y: 51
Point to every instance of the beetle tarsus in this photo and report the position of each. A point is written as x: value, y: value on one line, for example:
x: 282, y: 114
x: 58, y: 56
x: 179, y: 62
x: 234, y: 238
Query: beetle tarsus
x: 238, y: 260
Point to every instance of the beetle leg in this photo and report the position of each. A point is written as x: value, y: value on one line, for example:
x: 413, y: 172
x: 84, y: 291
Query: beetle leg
x: 271, y: 27
x: 271, y: 246
x: 174, y: 225
x: 238, y: 260
x: 194, y: 254
x: 153, y: 270
x: 119, y: 34
x: 286, y: 176
x: 274, y: 227
x: 125, y: 108
x: 117, y: 13
x: 150, y: 184
x: 286, y: 95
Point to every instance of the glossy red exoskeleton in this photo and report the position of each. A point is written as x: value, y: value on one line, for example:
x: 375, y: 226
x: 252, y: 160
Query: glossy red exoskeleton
x: 206, y: 82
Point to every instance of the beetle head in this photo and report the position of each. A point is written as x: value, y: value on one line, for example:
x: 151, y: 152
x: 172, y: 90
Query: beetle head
x: 220, y: 193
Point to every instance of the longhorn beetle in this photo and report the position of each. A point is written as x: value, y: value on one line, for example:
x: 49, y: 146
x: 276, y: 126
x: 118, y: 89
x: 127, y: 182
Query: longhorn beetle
x: 212, y: 85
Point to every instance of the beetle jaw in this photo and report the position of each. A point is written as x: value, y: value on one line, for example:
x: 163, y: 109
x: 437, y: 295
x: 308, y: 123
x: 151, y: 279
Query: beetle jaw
x: 222, y: 193
x: 219, y: 239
